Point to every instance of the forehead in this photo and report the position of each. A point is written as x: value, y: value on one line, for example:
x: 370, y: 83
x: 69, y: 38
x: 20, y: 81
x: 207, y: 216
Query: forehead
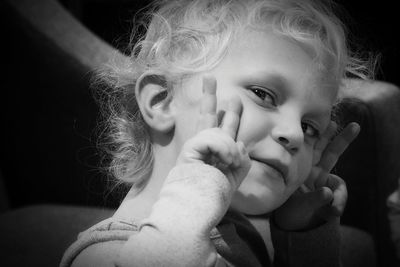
x: 259, y: 55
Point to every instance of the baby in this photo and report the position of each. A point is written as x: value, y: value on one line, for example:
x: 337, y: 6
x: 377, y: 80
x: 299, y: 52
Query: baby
x: 221, y: 124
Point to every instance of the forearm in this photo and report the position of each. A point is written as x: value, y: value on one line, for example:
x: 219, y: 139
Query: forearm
x: 153, y: 246
x: 177, y: 233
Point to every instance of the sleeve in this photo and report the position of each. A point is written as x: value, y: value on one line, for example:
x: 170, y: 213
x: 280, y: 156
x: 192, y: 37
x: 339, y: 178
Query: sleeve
x: 316, y: 247
x: 107, y: 237
x: 177, y: 232
x: 194, y: 197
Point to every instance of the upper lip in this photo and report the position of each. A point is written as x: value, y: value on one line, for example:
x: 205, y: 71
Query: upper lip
x: 276, y: 164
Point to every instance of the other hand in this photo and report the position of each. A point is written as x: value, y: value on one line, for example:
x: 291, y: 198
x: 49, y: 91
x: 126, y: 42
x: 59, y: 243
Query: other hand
x: 324, y: 195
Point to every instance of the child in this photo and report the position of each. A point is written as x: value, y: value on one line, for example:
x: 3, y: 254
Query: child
x: 221, y: 124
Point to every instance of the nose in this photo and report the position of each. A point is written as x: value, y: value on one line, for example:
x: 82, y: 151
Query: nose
x: 289, y: 134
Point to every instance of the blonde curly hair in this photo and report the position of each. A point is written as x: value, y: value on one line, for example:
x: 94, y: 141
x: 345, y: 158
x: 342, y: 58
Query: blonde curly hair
x: 185, y: 37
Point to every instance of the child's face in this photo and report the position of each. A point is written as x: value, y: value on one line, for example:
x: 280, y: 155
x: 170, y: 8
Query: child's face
x: 286, y: 102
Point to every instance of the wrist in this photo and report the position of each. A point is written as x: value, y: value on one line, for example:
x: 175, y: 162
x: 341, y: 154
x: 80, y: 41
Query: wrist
x: 194, y: 196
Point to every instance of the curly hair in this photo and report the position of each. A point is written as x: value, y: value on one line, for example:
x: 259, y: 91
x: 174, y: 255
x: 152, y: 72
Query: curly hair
x: 185, y: 37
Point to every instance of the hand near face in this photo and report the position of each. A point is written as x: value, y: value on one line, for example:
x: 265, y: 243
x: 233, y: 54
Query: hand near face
x: 195, y: 195
x: 216, y: 146
x: 324, y: 195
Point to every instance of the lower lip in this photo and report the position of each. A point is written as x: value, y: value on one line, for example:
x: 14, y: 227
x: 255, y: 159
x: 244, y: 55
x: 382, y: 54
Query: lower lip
x: 270, y: 171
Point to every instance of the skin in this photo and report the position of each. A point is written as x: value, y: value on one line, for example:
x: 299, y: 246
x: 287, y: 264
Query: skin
x: 280, y: 129
x: 275, y: 136
x: 273, y: 101
x: 262, y: 117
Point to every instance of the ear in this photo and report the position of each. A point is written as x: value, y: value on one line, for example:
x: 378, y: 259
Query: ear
x: 154, y: 101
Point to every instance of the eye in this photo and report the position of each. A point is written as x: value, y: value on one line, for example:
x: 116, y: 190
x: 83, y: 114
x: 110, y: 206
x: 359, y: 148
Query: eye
x: 263, y: 94
x: 310, y: 130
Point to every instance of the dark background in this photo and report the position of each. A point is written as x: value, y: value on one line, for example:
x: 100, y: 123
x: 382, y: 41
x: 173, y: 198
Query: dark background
x: 48, y: 138
x: 374, y: 27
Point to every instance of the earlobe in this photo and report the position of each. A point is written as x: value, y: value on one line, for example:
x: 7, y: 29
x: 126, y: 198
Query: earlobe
x: 153, y: 98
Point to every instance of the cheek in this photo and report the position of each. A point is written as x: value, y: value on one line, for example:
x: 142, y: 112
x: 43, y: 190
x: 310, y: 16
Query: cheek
x: 186, y: 118
x: 186, y: 124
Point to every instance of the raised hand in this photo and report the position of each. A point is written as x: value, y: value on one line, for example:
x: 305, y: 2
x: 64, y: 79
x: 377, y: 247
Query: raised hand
x: 210, y: 167
x: 215, y: 145
x: 196, y: 193
x: 324, y: 195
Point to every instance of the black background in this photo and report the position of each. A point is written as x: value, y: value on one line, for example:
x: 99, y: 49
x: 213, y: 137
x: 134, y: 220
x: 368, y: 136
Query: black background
x: 373, y: 27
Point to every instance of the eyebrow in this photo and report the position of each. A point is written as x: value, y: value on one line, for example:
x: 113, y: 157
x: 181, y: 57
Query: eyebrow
x: 273, y: 78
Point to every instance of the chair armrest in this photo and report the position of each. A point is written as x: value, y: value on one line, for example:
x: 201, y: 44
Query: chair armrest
x: 49, y: 22
x: 383, y: 103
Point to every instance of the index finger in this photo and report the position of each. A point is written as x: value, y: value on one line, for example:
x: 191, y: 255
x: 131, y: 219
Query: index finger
x: 208, y: 105
x: 339, y: 190
x: 338, y: 145
x: 231, y: 120
x: 324, y: 141
x: 339, y: 193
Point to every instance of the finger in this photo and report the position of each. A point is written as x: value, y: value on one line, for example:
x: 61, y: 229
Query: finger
x: 322, y: 197
x: 245, y: 162
x: 316, y: 198
x: 208, y: 105
x: 230, y: 122
x: 325, y: 211
x: 339, y: 189
x: 240, y: 154
x: 318, y: 178
x: 323, y: 141
x: 338, y: 186
x: 217, y: 147
x: 338, y: 145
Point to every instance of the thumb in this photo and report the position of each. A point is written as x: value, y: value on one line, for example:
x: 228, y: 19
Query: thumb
x: 320, y: 197
x: 323, y: 208
x: 318, y: 207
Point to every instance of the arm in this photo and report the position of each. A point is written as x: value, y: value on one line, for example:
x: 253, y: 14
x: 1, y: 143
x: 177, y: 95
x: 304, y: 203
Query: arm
x: 195, y: 195
x: 177, y: 233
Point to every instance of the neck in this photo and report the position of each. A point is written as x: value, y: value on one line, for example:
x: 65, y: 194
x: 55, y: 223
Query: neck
x: 137, y: 205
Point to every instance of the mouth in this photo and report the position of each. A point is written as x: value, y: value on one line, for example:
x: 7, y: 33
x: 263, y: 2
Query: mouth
x: 276, y: 165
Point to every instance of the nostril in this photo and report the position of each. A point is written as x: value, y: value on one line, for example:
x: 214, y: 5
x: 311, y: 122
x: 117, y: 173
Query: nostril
x: 283, y: 140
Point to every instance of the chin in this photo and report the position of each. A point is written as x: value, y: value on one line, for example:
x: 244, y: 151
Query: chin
x: 256, y: 203
x: 256, y: 196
